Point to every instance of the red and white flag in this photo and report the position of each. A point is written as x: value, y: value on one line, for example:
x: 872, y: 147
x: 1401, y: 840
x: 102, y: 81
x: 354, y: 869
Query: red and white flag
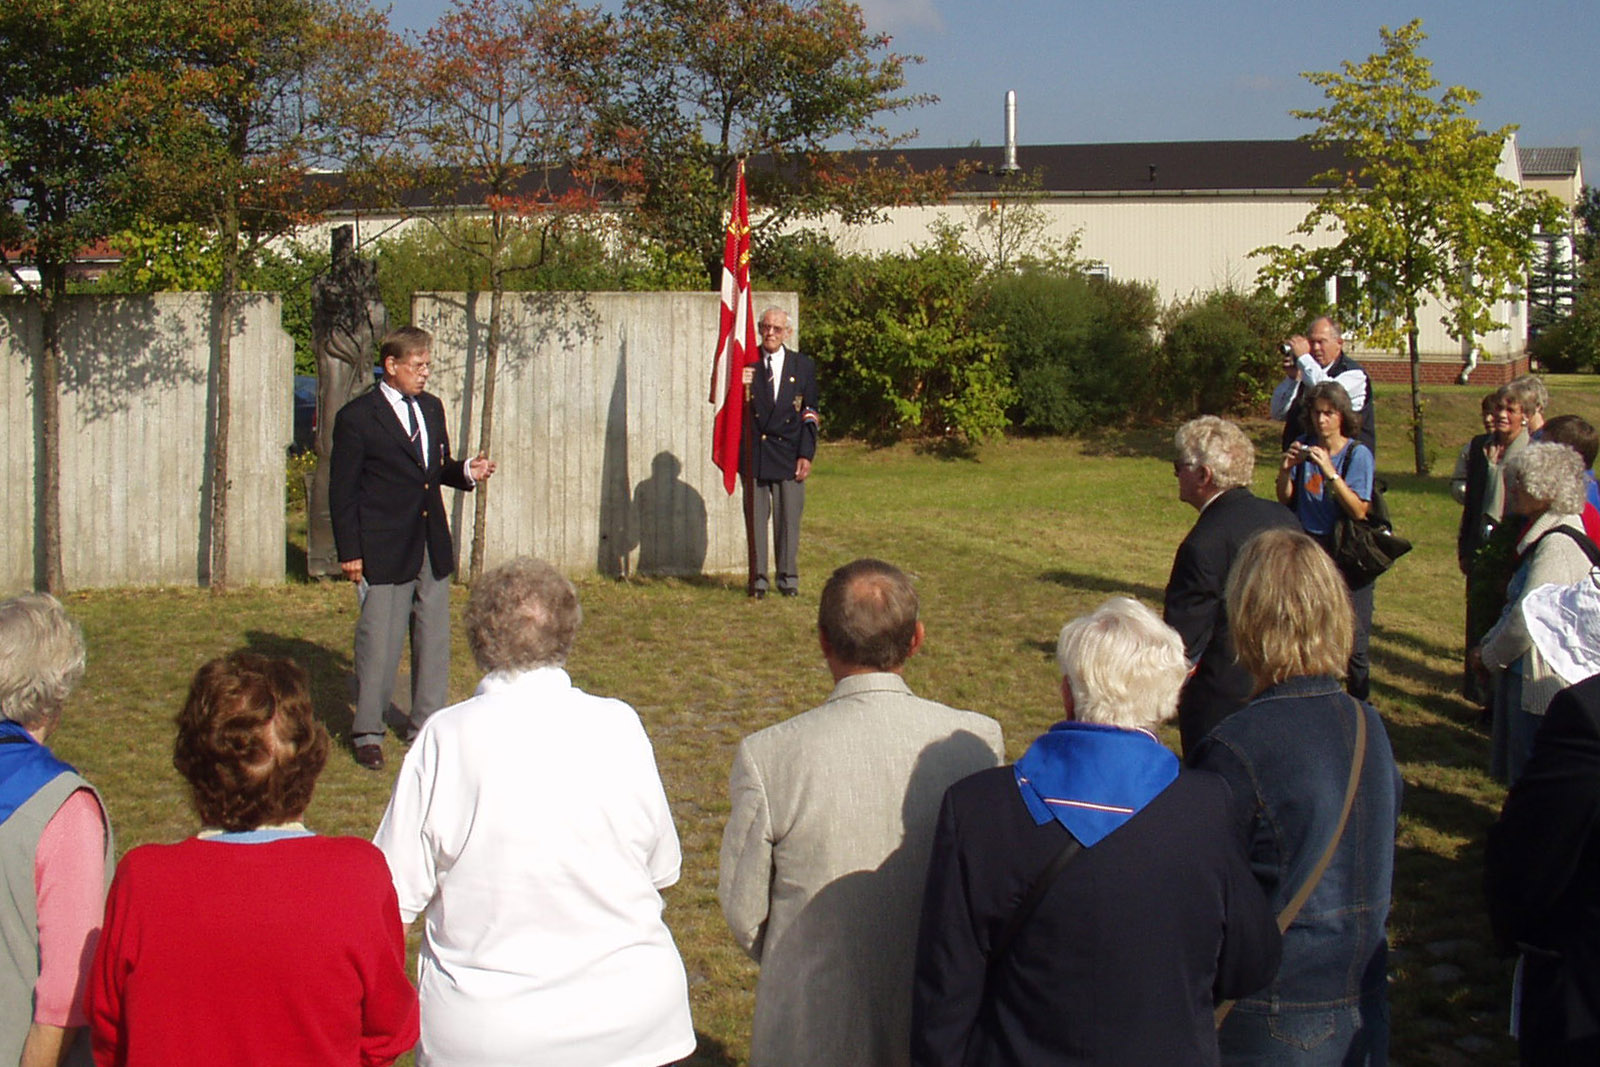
x: 736, y: 341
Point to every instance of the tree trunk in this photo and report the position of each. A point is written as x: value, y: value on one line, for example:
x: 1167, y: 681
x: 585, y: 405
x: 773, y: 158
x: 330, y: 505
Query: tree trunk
x: 48, y: 573
x: 1421, y: 455
x: 491, y: 362
x: 224, y: 327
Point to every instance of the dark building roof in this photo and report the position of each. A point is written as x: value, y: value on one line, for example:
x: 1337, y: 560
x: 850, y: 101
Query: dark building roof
x: 1146, y: 168
x: 1549, y: 162
x: 1150, y: 167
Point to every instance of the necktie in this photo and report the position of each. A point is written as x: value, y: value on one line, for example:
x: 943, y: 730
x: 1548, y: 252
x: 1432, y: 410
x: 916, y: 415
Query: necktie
x: 413, y: 429
x: 772, y: 383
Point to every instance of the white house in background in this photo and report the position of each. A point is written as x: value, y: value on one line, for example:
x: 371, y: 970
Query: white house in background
x: 1184, y: 216
x: 1557, y: 171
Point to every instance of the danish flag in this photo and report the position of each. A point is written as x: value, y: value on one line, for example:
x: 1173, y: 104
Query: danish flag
x: 736, y: 341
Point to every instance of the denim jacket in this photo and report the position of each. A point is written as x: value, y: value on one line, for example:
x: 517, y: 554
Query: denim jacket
x: 1287, y: 757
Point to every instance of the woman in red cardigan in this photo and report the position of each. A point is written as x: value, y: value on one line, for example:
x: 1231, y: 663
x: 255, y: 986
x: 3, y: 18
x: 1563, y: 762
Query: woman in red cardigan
x: 256, y: 941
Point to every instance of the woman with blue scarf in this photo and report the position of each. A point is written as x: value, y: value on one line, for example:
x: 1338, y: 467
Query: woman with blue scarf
x: 1137, y: 913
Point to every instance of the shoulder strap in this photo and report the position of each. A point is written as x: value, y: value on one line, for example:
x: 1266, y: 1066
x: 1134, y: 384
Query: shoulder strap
x: 1290, y: 910
x: 1358, y: 757
x: 1030, y: 904
x: 1588, y: 546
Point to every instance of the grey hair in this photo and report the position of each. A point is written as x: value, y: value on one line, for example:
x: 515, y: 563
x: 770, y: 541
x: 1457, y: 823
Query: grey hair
x: 41, y: 658
x: 1125, y: 665
x: 1219, y: 446
x: 770, y: 308
x: 1550, y: 474
x: 1530, y: 391
x: 522, y: 615
x: 1333, y: 326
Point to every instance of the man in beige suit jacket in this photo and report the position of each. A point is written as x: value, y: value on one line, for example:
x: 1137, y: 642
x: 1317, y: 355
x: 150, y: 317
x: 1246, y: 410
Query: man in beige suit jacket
x: 826, y: 849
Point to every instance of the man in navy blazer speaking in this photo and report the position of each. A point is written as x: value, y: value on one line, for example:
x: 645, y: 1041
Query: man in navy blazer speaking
x: 391, y: 455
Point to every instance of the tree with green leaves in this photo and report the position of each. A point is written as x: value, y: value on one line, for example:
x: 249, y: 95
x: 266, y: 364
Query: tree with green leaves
x: 248, y: 97
x: 1421, y: 215
x: 1552, y: 285
x: 686, y: 88
x: 1011, y: 230
x: 495, y: 114
x: 65, y: 184
x: 1587, y: 212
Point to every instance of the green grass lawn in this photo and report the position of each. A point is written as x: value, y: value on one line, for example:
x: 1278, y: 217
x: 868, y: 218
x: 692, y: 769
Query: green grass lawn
x: 1005, y: 547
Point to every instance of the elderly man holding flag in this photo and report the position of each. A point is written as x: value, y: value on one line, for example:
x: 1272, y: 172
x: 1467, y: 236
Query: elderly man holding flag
x: 766, y: 421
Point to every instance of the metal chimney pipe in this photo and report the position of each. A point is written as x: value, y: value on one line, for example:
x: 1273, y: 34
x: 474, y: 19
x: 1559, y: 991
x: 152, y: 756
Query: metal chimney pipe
x: 1010, y: 165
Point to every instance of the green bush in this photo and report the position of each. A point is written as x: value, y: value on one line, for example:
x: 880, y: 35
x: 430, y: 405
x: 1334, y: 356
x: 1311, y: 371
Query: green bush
x: 185, y: 258
x: 1076, y: 347
x: 1219, y: 353
x: 899, y: 351
x: 804, y: 262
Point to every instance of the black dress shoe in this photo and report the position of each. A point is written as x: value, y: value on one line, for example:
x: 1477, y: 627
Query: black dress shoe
x: 758, y: 594
x: 370, y: 757
x: 790, y: 592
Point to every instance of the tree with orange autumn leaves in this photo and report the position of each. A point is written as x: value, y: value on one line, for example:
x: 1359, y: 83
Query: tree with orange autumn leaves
x: 242, y: 99
x: 493, y: 121
x: 682, y: 89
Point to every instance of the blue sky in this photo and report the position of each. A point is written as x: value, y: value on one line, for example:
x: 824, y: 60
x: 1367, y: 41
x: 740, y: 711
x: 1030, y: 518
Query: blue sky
x: 1166, y: 70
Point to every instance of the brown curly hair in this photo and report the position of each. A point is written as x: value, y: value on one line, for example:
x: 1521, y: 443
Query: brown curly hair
x: 248, y: 743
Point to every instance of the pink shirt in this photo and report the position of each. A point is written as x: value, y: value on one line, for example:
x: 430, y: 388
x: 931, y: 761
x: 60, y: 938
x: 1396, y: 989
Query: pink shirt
x: 69, y: 881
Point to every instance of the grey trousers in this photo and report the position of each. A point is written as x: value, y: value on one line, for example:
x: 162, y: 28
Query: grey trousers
x: 422, y: 607
x: 780, y: 504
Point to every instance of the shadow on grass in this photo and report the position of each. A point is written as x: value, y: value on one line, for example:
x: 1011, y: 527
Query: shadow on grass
x: 1095, y: 583
x: 708, y: 1052
x: 1393, y: 636
x: 1045, y: 648
x: 730, y: 583
x: 330, y: 674
x: 947, y: 448
x: 1415, y: 484
x: 1456, y: 815
x: 1420, y: 673
x: 1141, y: 441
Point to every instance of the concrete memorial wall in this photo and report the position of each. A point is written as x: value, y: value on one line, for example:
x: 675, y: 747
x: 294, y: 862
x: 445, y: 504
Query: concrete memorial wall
x: 602, y: 429
x: 137, y: 402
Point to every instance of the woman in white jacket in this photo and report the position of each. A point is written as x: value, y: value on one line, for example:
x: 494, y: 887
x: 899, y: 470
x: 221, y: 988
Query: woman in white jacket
x: 529, y: 829
x: 1545, y: 485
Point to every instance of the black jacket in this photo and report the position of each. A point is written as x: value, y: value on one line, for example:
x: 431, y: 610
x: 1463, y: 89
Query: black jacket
x: 1194, y: 607
x: 1542, y: 877
x: 1127, y: 953
x: 785, y: 429
x: 1294, y: 423
x: 385, y: 504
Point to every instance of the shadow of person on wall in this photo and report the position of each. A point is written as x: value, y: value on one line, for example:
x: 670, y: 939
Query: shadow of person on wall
x: 670, y: 517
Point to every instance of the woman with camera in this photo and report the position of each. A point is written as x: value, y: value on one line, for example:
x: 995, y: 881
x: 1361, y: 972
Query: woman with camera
x: 1326, y: 474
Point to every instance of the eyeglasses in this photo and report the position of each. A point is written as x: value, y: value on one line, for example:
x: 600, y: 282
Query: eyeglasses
x: 771, y: 327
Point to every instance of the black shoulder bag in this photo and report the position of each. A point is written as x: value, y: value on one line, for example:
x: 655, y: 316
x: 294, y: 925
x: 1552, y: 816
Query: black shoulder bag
x: 1365, y: 548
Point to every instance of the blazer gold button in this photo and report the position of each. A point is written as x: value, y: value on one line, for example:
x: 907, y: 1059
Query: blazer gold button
x: 424, y: 487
